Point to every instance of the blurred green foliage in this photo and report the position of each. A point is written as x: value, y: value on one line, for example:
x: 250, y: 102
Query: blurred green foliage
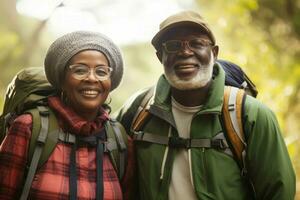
x: 262, y: 36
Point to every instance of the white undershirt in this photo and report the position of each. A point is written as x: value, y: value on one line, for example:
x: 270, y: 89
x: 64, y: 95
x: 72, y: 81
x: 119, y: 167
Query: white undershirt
x: 181, y: 185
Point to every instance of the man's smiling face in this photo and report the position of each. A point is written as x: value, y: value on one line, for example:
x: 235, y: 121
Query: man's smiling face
x: 190, y: 65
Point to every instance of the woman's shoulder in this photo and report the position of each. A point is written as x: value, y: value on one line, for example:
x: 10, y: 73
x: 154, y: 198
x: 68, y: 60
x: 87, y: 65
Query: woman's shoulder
x: 19, y: 132
x: 21, y: 124
x: 25, y: 119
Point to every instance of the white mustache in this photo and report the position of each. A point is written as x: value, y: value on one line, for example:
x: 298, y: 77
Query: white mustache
x: 202, y: 77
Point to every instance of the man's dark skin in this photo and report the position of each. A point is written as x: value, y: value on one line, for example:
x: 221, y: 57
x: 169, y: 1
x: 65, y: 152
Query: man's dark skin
x: 186, y: 56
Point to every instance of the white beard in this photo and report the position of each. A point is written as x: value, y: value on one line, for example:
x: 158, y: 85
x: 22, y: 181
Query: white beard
x: 203, y: 76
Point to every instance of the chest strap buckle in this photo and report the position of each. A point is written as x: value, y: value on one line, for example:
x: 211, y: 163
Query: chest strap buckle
x: 178, y: 142
x: 219, y: 144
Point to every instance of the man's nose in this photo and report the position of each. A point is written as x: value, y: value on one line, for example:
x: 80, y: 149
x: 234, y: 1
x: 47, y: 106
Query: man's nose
x: 185, y: 49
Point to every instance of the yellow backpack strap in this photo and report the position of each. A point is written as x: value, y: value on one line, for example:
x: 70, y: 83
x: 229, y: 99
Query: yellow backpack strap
x: 233, y: 124
x: 142, y: 113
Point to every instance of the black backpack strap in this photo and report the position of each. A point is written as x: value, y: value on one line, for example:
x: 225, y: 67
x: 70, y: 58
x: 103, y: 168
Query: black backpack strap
x: 120, y: 133
x: 218, y: 142
x: 99, y: 178
x: 44, y: 114
x: 73, y: 173
x: 97, y: 141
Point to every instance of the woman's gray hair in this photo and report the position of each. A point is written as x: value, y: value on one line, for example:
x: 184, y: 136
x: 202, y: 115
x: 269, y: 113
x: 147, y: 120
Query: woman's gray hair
x: 65, y: 47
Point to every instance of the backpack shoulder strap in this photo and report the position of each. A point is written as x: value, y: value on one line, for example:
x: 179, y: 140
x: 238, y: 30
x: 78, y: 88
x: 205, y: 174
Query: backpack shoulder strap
x: 36, y: 147
x: 39, y: 119
x: 232, y: 120
x: 116, y: 132
x: 142, y: 113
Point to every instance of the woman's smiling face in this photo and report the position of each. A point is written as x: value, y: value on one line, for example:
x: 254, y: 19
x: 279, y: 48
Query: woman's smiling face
x: 87, y: 95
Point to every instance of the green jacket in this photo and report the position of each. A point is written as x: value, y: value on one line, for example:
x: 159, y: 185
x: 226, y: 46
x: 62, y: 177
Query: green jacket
x: 215, y: 174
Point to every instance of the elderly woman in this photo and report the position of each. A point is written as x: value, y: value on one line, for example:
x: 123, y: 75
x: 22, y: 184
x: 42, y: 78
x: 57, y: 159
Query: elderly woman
x: 83, y: 67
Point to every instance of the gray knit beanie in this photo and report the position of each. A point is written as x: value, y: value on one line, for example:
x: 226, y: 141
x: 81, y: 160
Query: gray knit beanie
x: 65, y: 47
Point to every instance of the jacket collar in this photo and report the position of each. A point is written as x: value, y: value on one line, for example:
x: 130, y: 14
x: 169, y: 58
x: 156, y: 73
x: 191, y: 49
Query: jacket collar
x: 162, y: 99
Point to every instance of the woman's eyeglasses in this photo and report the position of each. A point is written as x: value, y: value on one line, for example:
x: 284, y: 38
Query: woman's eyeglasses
x: 81, y: 72
x: 174, y: 46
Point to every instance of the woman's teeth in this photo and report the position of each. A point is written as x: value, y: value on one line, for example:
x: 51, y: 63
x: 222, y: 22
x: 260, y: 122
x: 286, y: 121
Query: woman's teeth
x: 90, y: 92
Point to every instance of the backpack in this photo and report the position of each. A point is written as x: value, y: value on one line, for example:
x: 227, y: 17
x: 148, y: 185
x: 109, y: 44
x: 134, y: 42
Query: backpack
x: 237, y: 85
x: 28, y: 89
x: 236, y: 77
x: 27, y: 93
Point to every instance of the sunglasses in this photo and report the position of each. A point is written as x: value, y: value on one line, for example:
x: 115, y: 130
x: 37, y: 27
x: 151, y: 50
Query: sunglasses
x: 81, y: 72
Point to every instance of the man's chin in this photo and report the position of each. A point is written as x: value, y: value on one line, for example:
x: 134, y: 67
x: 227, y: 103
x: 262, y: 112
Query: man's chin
x: 188, y: 85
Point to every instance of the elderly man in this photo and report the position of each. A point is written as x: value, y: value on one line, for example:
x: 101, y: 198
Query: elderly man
x: 187, y: 103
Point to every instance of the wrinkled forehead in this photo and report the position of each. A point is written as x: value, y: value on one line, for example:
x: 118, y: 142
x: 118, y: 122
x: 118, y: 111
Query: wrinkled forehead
x: 185, y: 33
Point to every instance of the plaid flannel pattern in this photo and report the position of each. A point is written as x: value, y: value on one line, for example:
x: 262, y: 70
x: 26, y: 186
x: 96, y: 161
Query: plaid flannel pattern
x: 52, y: 179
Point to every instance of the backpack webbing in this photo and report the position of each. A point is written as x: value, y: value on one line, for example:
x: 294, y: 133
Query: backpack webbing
x: 142, y: 113
x: 40, y: 141
x: 51, y: 139
x: 233, y: 101
x: 46, y: 133
x: 120, y: 157
x: 232, y: 119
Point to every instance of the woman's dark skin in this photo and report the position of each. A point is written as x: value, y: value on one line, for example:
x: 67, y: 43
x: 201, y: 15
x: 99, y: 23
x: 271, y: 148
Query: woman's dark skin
x: 87, y: 95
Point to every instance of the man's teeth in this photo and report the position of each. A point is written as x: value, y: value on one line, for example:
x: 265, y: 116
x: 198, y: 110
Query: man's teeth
x: 90, y: 92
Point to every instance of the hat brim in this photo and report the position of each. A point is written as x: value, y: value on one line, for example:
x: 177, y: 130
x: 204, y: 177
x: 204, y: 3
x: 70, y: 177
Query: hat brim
x: 157, y: 39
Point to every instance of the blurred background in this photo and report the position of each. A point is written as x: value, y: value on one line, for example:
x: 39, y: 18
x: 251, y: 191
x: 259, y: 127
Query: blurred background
x: 262, y: 36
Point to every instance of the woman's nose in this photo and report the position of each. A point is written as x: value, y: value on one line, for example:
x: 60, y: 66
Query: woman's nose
x: 92, y: 76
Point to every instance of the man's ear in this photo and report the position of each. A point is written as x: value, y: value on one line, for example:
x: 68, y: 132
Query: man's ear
x: 159, y: 55
x: 215, y: 50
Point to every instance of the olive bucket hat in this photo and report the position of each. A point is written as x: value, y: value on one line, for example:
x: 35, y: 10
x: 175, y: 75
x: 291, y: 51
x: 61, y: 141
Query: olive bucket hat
x: 184, y: 18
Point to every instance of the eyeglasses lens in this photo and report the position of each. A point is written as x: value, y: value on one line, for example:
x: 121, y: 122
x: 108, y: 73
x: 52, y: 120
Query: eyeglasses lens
x: 174, y: 46
x: 81, y: 72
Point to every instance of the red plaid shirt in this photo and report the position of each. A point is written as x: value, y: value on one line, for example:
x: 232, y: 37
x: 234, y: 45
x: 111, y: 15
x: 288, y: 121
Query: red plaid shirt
x: 52, y: 179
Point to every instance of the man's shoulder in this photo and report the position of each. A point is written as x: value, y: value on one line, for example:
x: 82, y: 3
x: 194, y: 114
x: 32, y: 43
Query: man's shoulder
x: 137, y: 97
x: 127, y: 112
x: 255, y: 109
